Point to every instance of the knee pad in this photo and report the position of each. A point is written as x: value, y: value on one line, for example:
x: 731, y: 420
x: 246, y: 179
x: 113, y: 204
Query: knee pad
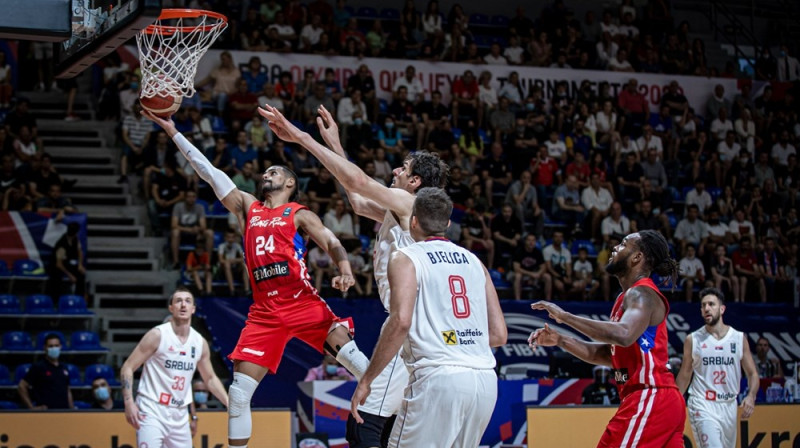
x: 239, y: 395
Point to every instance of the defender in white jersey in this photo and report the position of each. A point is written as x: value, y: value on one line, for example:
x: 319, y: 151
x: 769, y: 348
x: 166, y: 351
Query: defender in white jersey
x: 390, y: 206
x: 445, y: 314
x: 718, y: 354
x: 170, y: 352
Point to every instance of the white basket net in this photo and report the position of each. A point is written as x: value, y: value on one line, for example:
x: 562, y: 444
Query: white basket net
x: 170, y: 49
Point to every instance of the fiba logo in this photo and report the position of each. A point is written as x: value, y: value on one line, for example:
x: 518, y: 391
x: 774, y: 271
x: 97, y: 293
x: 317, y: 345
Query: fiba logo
x: 312, y: 443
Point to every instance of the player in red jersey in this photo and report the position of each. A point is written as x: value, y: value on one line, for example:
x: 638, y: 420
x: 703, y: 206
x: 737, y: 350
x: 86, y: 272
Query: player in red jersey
x: 633, y: 343
x: 285, y: 304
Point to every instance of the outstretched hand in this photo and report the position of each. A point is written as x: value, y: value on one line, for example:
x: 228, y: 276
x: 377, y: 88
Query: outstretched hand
x: 328, y: 128
x: 554, y: 311
x: 282, y: 127
x: 545, y: 337
x: 166, y: 123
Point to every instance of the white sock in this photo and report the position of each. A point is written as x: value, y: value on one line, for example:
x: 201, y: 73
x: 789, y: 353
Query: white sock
x: 353, y: 360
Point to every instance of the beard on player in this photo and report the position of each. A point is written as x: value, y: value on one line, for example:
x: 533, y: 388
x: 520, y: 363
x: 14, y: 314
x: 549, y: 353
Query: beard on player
x: 711, y: 318
x: 268, y: 187
x: 617, y: 267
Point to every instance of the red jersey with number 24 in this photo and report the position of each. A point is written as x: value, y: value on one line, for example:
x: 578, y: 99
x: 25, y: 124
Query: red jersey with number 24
x: 643, y: 364
x: 275, y: 252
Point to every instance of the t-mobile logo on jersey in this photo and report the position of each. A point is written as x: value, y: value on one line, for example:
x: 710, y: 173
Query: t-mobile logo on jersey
x: 279, y: 269
x: 621, y: 376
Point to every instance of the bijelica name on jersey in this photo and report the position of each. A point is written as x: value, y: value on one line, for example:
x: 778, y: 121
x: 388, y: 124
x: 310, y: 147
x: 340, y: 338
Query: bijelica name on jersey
x: 441, y: 256
x: 179, y: 365
x: 279, y: 269
x: 718, y: 360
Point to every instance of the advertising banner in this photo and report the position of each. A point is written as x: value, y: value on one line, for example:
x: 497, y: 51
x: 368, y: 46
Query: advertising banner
x: 109, y: 429
x: 28, y: 235
x: 771, y: 426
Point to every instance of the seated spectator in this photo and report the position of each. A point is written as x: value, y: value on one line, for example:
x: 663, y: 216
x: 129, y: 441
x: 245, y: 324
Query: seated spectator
x: 364, y: 82
x: 699, y: 197
x: 470, y: 141
x: 557, y: 148
x: 715, y: 103
x: 601, y: 391
x: 718, y: 232
x: 495, y: 56
x: 362, y: 272
x: 269, y: 96
x: 746, y: 267
x: 414, y: 90
x: 339, y: 221
x: 284, y: 30
x: 390, y: 140
x: 465, y: 102
x: 287, y: 92
x: 166, y: 190
x: 224, y: 78
x: 580, y: 169
x: 746, y: 131
x: 620, y: 63
x: 322, y: 190
x: 606, y: 50
x: 629, y: 179
x: 514, y: 52
x: 646, y: 219
x: 567, y: 206
x: 135, y: 136
x: 68, y: 256
x: 596, y: 200
x: 404, y: 112
x: 579, y: 141
x: 101, y: 392
x: 529, y: 268
x: 495, y: 172
x: 691, y: 272
x: 320, y: 266
x: 188, y: 225
x: 771, y: 262
x: 723, y: 274
x: 329, y: 370
x: 502, y: 120
x: 153, y: 159
x: 524, y: 201
x: 506, y: 232
x: 242, y: 152
x: 242, y: 103
x: 634, y: 106
x: 559, y: 264
x: 27, y: 150
x: 432, y: 113
x: 54, y: 202
x: 244, y: 179
x: 231, y: 257
x: 6, y: 89
x: 198, y: 266
x: 44, y: 177
x: 602, y: 262
x: 457, y: 188
x: 310, y: 34
x: 475, y: 234
x: 351, y: 108
x: 46, y: 384
x: 721, y: 125
x: 691, y: 230
x: 741, y: 229
x: 782, y: 149
x: 615, y: 222
x: 649, y: 141
x: 585, y: 284
x: 767, y: 364
x: 512, y: 90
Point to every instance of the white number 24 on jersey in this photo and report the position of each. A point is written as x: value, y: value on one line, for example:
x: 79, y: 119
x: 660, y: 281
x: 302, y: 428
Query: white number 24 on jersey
x: 264, y: 245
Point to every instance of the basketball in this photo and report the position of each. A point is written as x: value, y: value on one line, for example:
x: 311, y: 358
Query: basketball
x: 161, y: 105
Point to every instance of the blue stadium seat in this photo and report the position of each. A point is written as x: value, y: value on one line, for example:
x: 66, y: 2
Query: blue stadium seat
x: 39, y: 304
x: 203, y: 204
x: 383, y: 107
x: 28, y: 268
x: 82, y: 404
x: 478, y: 19
x: 219, y: 238
x: 298, y: 124
x: 500, y: 21
x: 100, y: 371
x: 485, y: 138
x: 17, y: 341
x: 72, y: 304
x: 456, y: 133
x: 85, y: 340
x: 5, y: 376
x: 390, y: 14
x: 218, y: 125
x: 218, y: 209
x: 715, y: 193
x: 673, y: 220
x: 482, y: 41
x: 40, y: 339
x: 457, y: 216
x: 74, y: 374
x: 4, y: 269
x: 577, y: 244
x: 367, y: 12
x: 20, y: 371
x: 8, y: 405
x: 9, y: 304
x: 364, y: 242
x: 498, y: 279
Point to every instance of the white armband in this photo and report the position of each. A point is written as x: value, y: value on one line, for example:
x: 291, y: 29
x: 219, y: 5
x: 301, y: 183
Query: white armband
x: 219, y: 181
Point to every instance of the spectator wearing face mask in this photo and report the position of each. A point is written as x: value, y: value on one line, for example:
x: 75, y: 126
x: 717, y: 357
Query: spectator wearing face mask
x: 46, y: 385
x: 102, y: 396
x: 328, y: 370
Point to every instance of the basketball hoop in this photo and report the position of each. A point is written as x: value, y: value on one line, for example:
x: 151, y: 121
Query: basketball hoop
x: 171, y: 47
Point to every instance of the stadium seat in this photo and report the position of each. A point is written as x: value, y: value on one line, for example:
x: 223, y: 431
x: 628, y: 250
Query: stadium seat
x: 390, y: 14
x: 457, y: 215
x: 367, y: 12
x: 20, y: 371
x: 218, y: 125
x: 82, y: 404
x: 500, y: 21
x: 364, y: 242
x: 383, y: 107
x: 40, y: 339
x: 74, y: 374
x: 456, y: 133
x: 715, y: 193
x: 85, y: 340
x: 28, y: 268
x: 39, y: 304
x: 100, y: 371
x: 72, y: 304
x: 498, y: 279
x: 478, y: 19
x: 482, y: 41
x: 218, y: 209
x: 8, y: 405
x: 9, y: 304
x: 219, y: 238
x: 4, y: 268
x: 5, y: 376
x: 203, y: 204
x: 17, y: 341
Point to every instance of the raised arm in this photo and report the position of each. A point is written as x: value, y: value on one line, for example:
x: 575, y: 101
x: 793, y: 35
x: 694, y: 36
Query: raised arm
x: 591, y: 352
x: 145, y: 349
x: 209, y: 377
x: 327, y: 241
x: 685, y: 375
x: 235, y: 200
x: 352, y: 178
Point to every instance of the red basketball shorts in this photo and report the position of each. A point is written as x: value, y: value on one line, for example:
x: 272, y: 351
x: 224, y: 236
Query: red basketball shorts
x: 268, y: 328
x: 647, y: 418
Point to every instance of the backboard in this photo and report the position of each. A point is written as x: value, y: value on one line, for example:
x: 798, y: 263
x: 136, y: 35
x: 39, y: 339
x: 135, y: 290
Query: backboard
x: 98, y: 28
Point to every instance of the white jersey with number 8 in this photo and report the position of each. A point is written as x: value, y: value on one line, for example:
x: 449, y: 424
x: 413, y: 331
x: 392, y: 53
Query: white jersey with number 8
x: 717, y: 366
x: 450, y: 324
x: 167, y: 374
